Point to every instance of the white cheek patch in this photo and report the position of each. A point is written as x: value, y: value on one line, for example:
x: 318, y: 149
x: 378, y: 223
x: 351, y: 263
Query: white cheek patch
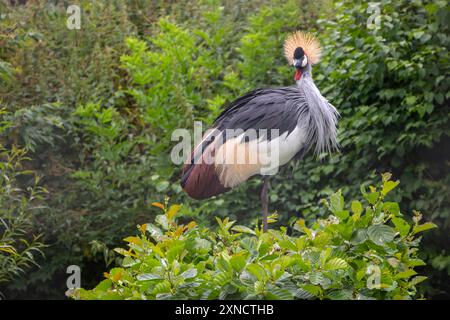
x: 305, y: 61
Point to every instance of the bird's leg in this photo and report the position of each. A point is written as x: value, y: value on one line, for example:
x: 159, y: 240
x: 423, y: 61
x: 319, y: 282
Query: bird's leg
x: 265, y: 202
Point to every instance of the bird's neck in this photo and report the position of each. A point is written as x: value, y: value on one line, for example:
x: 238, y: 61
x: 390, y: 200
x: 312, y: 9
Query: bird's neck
x: 305, y: 75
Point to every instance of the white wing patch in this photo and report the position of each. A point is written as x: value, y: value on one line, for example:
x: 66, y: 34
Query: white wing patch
x: 237, y: 161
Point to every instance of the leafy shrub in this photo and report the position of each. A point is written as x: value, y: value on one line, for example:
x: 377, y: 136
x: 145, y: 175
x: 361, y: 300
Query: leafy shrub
x: 19, y: 247
x: 366, y: 250
x: 56, y: 64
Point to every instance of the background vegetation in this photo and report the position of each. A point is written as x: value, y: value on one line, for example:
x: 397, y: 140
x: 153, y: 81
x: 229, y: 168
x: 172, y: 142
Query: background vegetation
x: 94, y: 109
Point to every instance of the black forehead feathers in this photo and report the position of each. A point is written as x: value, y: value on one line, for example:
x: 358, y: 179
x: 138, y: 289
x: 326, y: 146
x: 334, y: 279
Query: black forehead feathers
x: 298, y: 53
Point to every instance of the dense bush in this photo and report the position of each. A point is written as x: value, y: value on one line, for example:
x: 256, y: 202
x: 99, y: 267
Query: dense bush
x: 366, y: 250
x: 18, y: 246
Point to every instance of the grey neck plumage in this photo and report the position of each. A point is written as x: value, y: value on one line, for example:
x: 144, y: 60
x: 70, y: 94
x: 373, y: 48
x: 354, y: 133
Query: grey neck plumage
x: 323, y: 116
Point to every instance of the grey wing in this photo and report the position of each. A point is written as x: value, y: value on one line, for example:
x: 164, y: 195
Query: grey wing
x: 278, y: 108
x: 285, y: 109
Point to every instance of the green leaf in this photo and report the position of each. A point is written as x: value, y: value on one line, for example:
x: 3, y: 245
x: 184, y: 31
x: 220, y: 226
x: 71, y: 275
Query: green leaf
x: 128, y: 262
x: 423, y: 227
x: 335, y: 264
x: 191, y: 273
x: 148, y: 276
x: 175, y: 250
x: 359, y: 236
x: 238, y: 261
x: 104, y: 285
x: 247, y: 278
x: 343, y: 214
x: 372, y: 197
x: 401, y: 226
x: 286, y: 244
x: 257, y: 271
x: 243, y: 229
x: 322, y: 239
x: 303, y: 294
x: 279, y: 294
x: 340, y: 295
x: 405, y: 274
x: 391, y: 207
x: 416, y: 280
x: 336, y: 202
x: 200, y: 245
x: 388, y: 186
x: 318, y: 278
x: 153, y: 230
x: 161, y: 219
x: 416, y: 263
x: 357, y: 207
x: 162, y: 186
x: 312, y: 289
x: 380, y: 234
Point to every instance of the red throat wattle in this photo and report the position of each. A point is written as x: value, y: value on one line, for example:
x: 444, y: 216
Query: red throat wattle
x: 298, y: 75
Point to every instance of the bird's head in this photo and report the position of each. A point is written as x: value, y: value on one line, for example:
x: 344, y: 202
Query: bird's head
x: 301, y: 50
x: 299, y: 62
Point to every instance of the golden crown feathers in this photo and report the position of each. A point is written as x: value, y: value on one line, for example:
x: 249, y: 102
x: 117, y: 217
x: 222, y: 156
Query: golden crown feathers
x: 307, y: 42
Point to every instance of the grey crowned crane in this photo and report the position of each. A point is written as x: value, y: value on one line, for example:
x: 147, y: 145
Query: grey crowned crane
x: 285, y: 123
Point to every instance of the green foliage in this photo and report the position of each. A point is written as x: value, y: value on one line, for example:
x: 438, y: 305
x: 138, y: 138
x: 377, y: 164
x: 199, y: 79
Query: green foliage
x: 168, y: 80
x: 6, y: 73
x: 18, y: 247
x: 95, y: 109
x: 350, y: 254
x: 389, y: 86
x: 49, y: 71
x: 58, y: 64
x: 37, y: 127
